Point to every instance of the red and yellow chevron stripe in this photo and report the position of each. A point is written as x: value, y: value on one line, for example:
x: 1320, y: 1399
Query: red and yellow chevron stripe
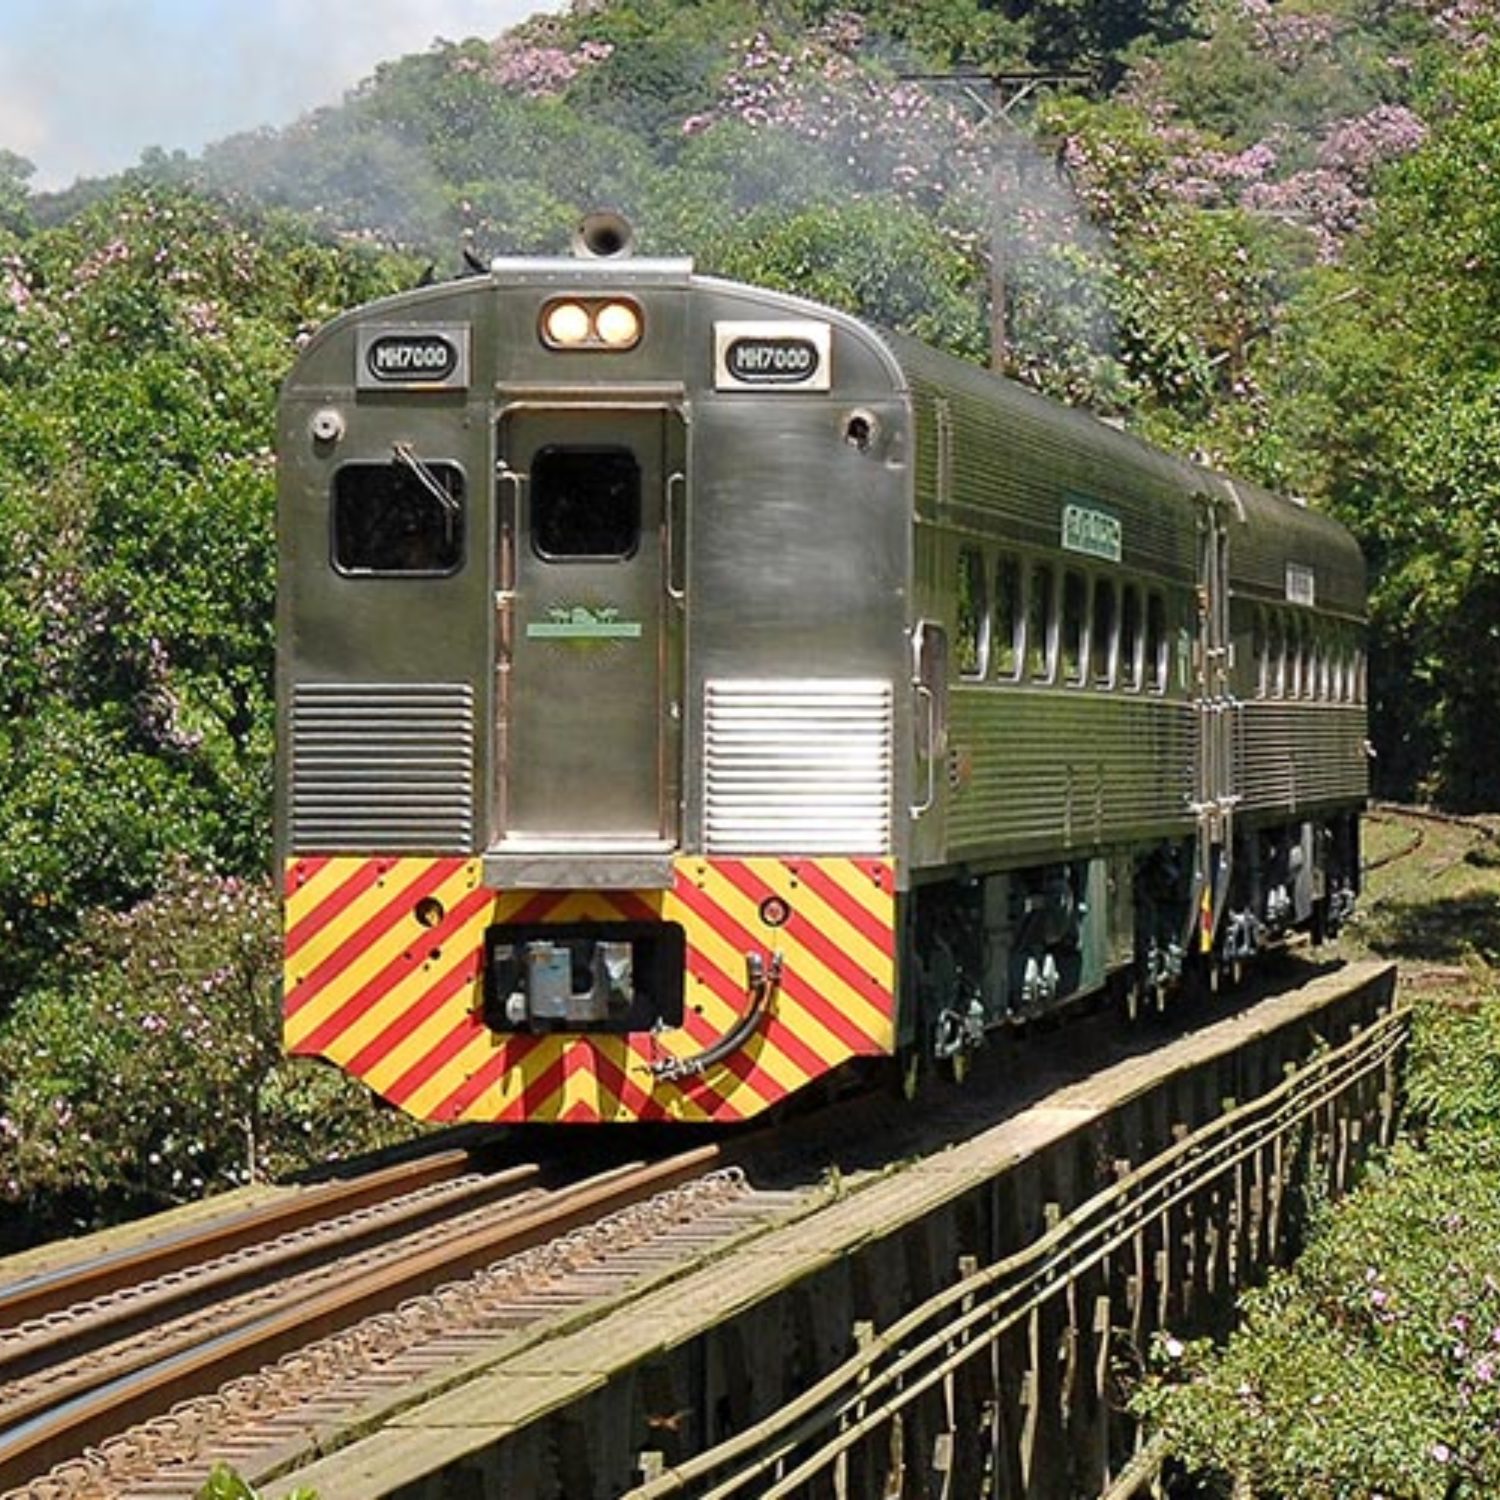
x: 384, y: 978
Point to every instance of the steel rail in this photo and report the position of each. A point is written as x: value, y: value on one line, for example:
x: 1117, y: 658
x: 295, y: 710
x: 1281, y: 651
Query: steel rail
x: 229, y: 1283
x: 53, y: 1291
x: 1019, y: 1285
x: 36, y: 1445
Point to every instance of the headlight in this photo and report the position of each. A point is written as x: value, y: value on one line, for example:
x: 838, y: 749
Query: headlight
x: 618, y: 324
x: 612, y: 325
x: 567, y: 325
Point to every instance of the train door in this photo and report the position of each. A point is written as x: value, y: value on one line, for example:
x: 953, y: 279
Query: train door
x: 929, y: 683
x: 1216, y: 797
x: 589, y: 624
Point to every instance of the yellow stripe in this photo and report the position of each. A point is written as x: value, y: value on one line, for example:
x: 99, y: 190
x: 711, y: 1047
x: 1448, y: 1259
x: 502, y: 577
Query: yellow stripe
x: 867, y: 1017
x: 405, y: 937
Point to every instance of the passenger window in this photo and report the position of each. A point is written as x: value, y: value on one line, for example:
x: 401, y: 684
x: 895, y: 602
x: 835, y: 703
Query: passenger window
x: 399, y: 518
x: 1040, y: 634
x: 1075, y: 627
x: 585, y: 504
x: 972, y: 639
x: 1006, y: 643
x: 1103, y: 635
x: 1130, y: 638
x: 1156, y: 643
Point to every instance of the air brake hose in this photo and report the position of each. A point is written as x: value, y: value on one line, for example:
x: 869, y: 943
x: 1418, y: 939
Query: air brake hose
x: 761, y: 983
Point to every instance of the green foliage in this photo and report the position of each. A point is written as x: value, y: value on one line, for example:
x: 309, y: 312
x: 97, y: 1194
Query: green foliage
x: 141, y: 347
x: 1403, y: 420
x: 1373, y: 1366
x: 149, y: 1071
x: 15, y: 199
x: 1283, y: 72
x: 225, y: 1484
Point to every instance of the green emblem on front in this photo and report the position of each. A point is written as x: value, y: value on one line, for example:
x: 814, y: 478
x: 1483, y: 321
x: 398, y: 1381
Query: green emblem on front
x: 577, y: 622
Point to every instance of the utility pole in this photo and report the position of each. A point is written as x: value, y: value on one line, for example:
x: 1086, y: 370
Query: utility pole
x: 1007, y: 92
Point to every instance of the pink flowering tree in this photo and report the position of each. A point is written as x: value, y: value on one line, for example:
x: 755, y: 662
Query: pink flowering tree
x: 149, y: 1071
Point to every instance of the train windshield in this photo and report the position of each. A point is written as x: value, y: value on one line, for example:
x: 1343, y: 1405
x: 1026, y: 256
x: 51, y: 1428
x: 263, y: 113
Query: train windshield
x: 585, y: 503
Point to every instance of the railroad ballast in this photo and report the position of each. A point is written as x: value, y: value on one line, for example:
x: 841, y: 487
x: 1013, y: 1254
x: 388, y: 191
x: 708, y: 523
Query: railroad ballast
x: 686, y: 689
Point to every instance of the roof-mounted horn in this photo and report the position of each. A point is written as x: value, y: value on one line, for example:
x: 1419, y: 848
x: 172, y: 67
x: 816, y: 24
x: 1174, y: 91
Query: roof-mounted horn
x: 603, y: 235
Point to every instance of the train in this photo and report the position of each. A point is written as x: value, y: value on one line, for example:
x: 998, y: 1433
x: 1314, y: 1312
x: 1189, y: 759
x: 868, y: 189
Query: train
x: 688, y: 694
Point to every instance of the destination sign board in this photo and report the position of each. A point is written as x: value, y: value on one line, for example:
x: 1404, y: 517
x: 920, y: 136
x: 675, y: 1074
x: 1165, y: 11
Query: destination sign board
x: 431, y: 357
x: 789, y: 355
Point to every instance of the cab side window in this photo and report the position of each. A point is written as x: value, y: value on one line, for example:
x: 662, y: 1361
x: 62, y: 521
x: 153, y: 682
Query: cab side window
x: 393, y: 519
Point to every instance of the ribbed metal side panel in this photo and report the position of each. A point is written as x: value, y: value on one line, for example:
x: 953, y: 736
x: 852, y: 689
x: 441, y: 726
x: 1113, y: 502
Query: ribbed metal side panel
x: 1056, y: 769
x: 799, y: 767
x: 1291, y: 756
x: 382, y: 766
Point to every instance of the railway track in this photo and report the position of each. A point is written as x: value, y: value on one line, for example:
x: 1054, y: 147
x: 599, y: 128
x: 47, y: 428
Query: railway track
x: 1415, y: 821
x: 263, y: 1334
x: 117, y: 1373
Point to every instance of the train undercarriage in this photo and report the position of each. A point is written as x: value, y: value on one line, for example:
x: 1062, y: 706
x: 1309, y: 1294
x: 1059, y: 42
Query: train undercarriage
x: 996, y: 949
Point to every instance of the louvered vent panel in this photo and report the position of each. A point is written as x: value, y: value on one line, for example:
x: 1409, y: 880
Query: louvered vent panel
x: 383, y: 767
x: 797, y: 767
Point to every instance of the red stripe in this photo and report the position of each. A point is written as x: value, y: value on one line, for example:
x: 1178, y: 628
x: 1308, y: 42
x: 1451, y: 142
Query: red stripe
x: 876, y: 932
x: 300, y: 871
x: 405, y: 967
x: 796, y: 987
x: 359, y: 881
x: 806, y: 934
x: 776, y: 1031
x: 397, y: 907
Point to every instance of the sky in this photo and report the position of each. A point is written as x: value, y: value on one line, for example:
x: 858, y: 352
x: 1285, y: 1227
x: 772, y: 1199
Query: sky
x: 87, y: 85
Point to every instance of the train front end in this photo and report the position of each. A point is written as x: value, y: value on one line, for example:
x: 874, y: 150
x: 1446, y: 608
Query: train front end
x: 590, y: 682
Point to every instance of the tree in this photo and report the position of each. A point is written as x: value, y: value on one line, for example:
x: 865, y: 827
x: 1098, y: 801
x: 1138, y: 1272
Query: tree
x: 148, y: 1070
